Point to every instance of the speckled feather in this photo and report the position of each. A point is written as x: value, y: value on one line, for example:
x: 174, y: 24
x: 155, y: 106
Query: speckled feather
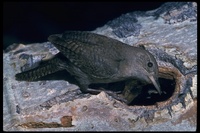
x: 88, y: 51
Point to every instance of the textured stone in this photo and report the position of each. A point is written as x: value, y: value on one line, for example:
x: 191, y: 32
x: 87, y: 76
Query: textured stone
x: 194, y: 86
x: 169, y: 33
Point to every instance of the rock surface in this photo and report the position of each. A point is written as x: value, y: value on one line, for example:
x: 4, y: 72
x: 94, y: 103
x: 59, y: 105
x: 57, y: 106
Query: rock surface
x: 169, y: 33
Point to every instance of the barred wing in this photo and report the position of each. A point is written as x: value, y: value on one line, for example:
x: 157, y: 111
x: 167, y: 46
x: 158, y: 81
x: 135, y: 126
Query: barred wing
x: 94, y: 54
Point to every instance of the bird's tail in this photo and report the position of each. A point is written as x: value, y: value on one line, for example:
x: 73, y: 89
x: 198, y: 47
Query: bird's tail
x: 47, y: 67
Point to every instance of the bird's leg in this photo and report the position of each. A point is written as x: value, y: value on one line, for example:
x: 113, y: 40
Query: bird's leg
x: 84, y: 88
x: 115, y: 95
x: 83, y: 84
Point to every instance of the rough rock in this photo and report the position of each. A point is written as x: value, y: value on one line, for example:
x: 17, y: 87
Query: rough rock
x: 169, y: 33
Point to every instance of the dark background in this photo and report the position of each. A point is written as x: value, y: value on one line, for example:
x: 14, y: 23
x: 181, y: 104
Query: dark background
x: 33, y: 22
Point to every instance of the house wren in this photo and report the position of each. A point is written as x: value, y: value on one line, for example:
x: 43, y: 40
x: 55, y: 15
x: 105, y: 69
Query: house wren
x: 93, y: 58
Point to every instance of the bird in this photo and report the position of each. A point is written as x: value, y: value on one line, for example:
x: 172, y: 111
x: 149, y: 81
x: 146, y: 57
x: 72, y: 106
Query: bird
x: 94, y: 58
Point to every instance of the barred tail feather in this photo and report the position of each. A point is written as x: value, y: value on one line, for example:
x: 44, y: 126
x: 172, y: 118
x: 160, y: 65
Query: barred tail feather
x: 42, y: 70
x: 36, y: 73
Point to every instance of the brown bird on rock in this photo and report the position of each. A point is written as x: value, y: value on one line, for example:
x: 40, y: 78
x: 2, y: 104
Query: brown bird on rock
x: 93, y: 58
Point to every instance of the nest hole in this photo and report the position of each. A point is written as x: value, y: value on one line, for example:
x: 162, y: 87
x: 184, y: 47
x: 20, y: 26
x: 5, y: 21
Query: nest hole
x: 149, y: 95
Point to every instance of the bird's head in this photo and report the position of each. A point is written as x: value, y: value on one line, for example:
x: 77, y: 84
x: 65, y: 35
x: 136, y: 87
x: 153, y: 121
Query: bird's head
x: 147, y: 68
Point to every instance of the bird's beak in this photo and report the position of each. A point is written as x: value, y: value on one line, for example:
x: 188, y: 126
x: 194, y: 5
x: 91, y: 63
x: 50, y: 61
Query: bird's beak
x: 155, y: 83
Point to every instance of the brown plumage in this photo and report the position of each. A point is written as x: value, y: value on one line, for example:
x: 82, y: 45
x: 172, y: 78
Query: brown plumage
x: 94, y: 58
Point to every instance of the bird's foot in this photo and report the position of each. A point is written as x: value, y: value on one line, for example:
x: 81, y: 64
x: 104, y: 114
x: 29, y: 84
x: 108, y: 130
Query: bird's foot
x: 116, y: 95
x: 109, y: 92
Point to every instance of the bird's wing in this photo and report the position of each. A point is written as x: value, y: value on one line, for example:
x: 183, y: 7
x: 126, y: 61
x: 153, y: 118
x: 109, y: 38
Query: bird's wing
x: 96, y: 55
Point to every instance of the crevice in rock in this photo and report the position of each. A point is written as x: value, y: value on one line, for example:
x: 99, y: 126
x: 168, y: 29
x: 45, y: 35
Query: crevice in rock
x: 146, y: 98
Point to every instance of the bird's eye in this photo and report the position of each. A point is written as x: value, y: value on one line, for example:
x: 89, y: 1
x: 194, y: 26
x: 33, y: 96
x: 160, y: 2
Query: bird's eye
x: 150, y: 64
